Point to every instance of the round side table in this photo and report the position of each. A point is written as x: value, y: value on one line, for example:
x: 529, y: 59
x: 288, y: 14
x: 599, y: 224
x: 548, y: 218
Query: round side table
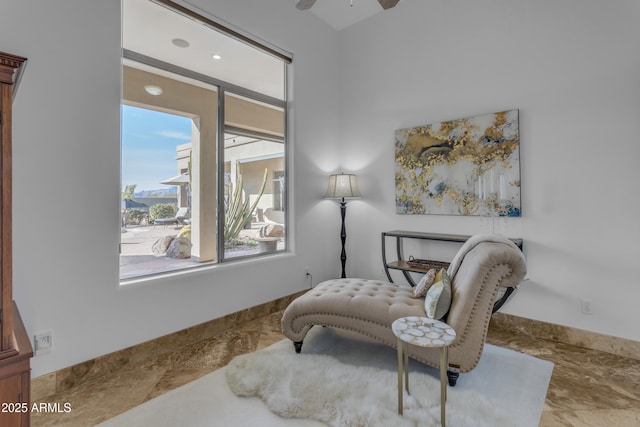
x: 423, y: 332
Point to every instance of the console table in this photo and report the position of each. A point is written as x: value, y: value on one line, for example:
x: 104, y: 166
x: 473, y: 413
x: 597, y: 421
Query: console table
x: 401, y: 263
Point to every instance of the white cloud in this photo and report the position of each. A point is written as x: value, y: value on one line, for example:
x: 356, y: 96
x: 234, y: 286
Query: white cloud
x: 175, y: 135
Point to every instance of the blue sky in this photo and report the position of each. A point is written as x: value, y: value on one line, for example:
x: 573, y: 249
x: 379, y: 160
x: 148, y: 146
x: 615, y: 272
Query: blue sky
x: 149, y: 140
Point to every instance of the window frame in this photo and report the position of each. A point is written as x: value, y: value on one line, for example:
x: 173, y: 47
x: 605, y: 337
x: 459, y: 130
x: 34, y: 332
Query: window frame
x: 222, y: 88
x: 222, y: 128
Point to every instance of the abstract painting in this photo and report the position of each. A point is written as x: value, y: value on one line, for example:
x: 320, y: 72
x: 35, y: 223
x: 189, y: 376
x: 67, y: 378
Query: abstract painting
x: 468, y: 166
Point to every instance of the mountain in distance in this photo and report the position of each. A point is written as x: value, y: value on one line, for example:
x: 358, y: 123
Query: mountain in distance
x: 164, y: 192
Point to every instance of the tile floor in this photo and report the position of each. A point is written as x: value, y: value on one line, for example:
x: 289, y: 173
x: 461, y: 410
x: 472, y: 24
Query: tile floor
x: 588, y: 387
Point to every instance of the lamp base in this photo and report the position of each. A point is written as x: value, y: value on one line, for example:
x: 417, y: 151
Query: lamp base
x: 343, y: 238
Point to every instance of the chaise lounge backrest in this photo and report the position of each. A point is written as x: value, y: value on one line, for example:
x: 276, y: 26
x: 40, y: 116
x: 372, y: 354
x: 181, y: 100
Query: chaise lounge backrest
x: 485, y: 268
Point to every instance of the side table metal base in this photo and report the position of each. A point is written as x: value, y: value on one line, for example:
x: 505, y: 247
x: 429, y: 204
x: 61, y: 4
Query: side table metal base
x: 423, y: 332
x: 403, y: 378
x: 403, y: 369
x: 444, y: 362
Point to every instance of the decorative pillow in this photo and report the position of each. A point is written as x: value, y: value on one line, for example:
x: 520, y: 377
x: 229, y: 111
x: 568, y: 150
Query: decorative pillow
x: 423, y: 285
x: 438, y: 299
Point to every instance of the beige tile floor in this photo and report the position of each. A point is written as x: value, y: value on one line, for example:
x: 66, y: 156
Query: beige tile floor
x: 588, y: 387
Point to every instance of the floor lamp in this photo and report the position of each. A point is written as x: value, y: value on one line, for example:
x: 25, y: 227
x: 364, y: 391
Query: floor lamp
x: 343, y: 186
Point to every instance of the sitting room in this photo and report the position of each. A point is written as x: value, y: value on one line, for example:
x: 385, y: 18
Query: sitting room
x: 469, y: 122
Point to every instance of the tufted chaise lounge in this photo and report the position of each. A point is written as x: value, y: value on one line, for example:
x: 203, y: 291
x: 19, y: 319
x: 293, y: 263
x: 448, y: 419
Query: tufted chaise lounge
x: 369, y: 307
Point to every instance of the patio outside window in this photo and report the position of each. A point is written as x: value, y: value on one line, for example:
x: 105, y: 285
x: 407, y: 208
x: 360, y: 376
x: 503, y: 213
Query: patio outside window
x: 204, y: 148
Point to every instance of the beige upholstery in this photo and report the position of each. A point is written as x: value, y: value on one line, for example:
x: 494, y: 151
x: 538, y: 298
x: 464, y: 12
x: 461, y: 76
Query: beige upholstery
x: 370, y: 306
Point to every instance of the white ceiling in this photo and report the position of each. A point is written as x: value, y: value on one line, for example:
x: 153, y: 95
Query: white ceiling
x: 149, y: 28
x: 340, y: 14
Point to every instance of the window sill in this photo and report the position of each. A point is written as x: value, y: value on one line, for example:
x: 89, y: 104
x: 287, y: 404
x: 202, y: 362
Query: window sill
x: 232, y: 263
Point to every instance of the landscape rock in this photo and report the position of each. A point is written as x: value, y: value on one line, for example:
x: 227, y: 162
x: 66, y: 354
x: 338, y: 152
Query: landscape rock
x: 180, y: 248
x: 161, y: 245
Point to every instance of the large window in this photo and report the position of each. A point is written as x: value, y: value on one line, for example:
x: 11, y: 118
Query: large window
x: 204, y: 147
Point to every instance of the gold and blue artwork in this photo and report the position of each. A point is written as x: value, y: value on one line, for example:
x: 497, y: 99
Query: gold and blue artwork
x: 468, y: 166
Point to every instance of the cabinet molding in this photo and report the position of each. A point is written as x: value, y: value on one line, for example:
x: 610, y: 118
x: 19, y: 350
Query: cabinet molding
x: 15, y: 346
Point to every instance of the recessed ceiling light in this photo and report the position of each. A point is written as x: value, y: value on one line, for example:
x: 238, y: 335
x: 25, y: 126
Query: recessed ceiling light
x: 153, y: 90
x: 180, y: 42
x: 216, y: 56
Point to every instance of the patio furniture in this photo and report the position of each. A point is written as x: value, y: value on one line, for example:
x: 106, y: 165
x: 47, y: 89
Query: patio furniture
x: 178, y: 219
x: 273, y: 216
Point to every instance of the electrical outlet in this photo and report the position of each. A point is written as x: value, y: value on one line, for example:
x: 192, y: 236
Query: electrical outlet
x: 308, y: 276
x: 587, y: 306
x: 42, y: 343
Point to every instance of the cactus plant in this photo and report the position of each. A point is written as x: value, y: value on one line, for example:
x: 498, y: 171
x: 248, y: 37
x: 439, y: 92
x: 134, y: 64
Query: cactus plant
x: 240, y: 211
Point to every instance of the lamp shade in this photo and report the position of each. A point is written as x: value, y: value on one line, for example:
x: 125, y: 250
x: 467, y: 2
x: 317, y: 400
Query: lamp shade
x: 342, y: 186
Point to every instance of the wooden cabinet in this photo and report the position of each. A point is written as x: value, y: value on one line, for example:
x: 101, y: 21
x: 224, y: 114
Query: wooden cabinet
x: 15, y: 345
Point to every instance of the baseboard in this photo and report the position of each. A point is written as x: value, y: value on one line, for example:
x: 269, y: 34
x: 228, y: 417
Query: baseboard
x: 67, y: 378
x: 568, y: 335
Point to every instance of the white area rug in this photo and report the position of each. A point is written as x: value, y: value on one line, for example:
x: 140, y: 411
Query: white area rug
x: 506, y: 389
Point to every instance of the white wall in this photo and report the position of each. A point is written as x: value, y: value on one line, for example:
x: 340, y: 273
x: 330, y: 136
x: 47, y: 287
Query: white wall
x: 572, y: 68
x: 66, y: 179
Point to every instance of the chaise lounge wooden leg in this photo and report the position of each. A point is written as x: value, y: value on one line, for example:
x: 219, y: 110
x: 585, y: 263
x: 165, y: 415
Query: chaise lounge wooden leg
x: 298, y: 346
x: 453, y: 377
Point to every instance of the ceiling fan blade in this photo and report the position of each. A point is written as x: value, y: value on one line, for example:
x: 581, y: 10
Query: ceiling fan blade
x: 305, y: 4
x: 388, y: 4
